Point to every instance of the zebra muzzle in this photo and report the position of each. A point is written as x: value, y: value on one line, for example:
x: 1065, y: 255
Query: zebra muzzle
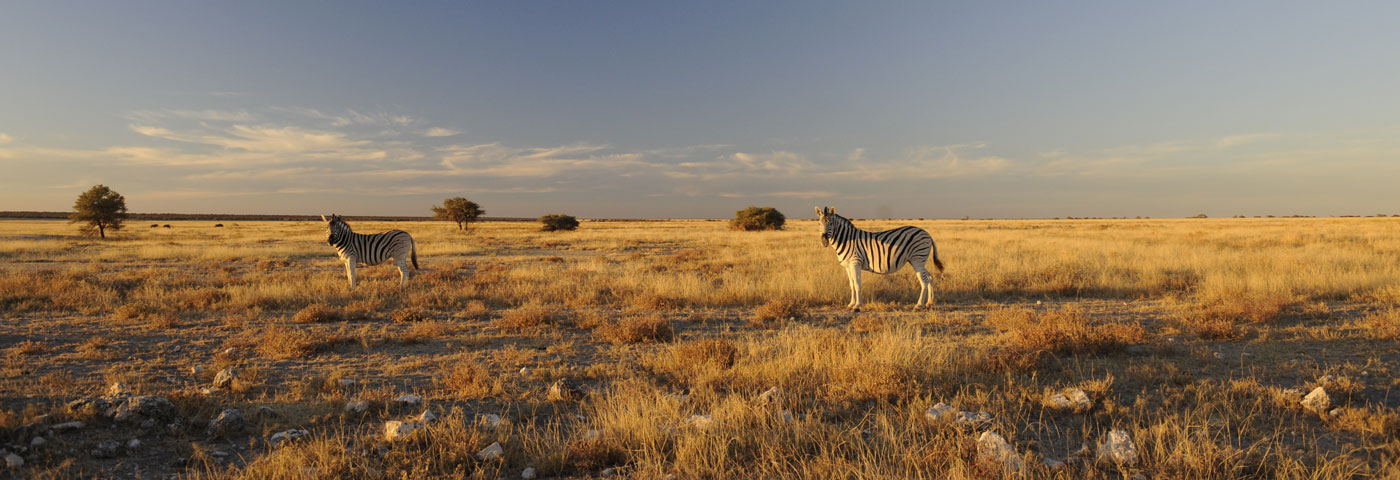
x: 825, y: 241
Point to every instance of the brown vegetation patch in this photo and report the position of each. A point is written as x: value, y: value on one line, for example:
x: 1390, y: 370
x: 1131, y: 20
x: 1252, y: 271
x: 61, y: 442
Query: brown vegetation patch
x: 468, y: 379
x: 410, y: 315
x: 651, y: 328
x: 281, y: 342
x: 1067, y: 331
x: 318, y: 313
x: 528, y: 318
x: 777, y: 311
x: 717, y: 352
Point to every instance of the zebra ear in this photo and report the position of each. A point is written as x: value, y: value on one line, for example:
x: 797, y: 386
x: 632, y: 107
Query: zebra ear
x: 820, y: 213
x: 323, y: 218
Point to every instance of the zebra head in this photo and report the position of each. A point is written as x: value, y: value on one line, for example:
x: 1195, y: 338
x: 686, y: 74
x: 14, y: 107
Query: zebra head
x: 335, y: 228
x: 824, y: 215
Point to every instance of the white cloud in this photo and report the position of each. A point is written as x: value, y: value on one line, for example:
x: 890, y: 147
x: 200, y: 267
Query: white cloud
x: 924, y: 163
x: 4, y: 138
x: 1237, y: 140
x: 440, y: 132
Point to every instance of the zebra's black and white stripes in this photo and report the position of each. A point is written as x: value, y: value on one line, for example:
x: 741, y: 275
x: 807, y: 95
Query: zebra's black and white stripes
x: 879, y: 252
x: 355, y: 248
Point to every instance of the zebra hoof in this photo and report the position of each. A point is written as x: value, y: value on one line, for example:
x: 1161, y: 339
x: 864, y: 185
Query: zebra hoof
x: 855, y: 310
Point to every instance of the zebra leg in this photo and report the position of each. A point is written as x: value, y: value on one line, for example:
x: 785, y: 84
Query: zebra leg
x: 925, y: 286
x: 350, y: 272
x: 853, y: 272
x: 403, y: 272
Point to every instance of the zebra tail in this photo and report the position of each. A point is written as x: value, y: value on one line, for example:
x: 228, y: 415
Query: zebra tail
x: 936, y: 262
x: 413, y: 253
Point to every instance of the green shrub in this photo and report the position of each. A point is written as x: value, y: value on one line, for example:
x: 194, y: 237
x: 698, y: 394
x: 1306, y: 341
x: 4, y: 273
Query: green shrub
x: 756, y: 218
x: 557, y: 221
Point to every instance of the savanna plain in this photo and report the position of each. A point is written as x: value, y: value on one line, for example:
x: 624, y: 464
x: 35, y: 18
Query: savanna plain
x: 681, y: 349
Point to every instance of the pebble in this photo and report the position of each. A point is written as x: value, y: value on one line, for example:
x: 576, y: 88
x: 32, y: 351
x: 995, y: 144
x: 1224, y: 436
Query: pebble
x: 528, y: 473
x: 14, y: 461
x: 491, y: 452
x: 37, y: 442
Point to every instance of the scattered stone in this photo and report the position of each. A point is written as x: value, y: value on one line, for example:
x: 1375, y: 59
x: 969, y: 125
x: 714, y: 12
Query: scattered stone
x: 785, y: 416
x: 408, y: 400
x: 523, y: 372
x: 427, y: 417
x: 66, y: 426
x: 345, y: 382
x: 491, y: 452
x: 224, y: 379
x: 37, y: 442
x: 357, y: 406
x: 265, y: 412
x: 1139, y: 476
x: 118, y: 389
x: 1076, y: 401
x: 89, y: 406
x: 147, y: 406
x: 490, y: 420
x: 772, y: 396
x: 196, y: 370
x: 1336, y: 412
x: 608, y: 472
x: 592, y: 434
x: 13, y: 461
x: 992, y: 449
x: 133, y: 444
x: 231, y: 352
x: 107, y: 449
x: 969, y: 419
x: 700, y: 422
x: 1218, y: 355
x: 528, y: 473
x: 210, y: 391
x: 228, y: 422
x: 1318, y: 401
x: 1118, y: 449
x: 286, y: 436
x: 562, y: 391
x: 395, y: 430
x: 941, y: 412
x: 1052, y: 464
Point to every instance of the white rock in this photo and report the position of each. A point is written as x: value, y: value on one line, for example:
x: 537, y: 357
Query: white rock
x: 490, y: 420
x: 1076, y: 400
x: 409, y: 400
x: 118, y: 389
x: 231, y: 352
x: 992, y: 449
x: 608, y: 472
x: 969, y: 419
x: 37, y: 442
x: 785, y: 416
x: 396, y: 430
x: 196, y: 370
x: 265, y: 411
x: 701, y: 422
x: 523, y: 372
x: 561, y: 391
x: 1336, y: 412
x: 1053, y: 464
x: 14, y: 461
x: 73, y: 425
x: 357, y: 406
x: 1118, y: 449
x: 133, y: 444
x: 224, y: 379
x: 491, y: 452
x: 772, y: 396
x: 941, y: 412
x: 229, y: 421
x: 345, y: 383
x: 528, y: 473
x: 287, y: 436
x: 1317, y: 400
x: 427, y: 417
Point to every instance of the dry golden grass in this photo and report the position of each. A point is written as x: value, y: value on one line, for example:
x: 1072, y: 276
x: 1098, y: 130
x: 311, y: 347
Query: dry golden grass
x: 1198, y: 337
x: 635, y: 329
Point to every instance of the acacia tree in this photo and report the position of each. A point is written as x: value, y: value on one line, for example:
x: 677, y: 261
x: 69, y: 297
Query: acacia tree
x: 459, y: 210
x: 99, y: 209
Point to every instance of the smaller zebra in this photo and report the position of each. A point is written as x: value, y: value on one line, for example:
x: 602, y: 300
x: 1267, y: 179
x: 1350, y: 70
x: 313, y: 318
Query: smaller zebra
x: 879, y: 252
x: 370, y: 250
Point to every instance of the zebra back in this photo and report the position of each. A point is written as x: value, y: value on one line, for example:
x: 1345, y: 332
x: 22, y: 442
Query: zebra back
x: 369, y: 249
x: 879, y: 252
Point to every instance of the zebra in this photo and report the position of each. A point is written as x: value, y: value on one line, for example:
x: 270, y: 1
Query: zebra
x: 355, y: 248
x: 879, y: 252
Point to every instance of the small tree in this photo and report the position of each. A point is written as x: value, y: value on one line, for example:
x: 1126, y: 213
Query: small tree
x: 99, y: 209
x: 555, y: 222
x: 755, y: 218
x: 459, y: 210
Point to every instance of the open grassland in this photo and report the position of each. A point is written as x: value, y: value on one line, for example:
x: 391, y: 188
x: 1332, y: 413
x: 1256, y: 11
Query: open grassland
x: 1197, y: 337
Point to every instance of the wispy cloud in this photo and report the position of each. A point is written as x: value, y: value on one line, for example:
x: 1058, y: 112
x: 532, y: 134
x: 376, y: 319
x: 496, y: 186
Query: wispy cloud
x: 440, y: 132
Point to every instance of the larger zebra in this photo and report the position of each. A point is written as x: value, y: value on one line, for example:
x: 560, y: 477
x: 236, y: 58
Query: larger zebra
x: 879, y: 252
x: 370, y: 250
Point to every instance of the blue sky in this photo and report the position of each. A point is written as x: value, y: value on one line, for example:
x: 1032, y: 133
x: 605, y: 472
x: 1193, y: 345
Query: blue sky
x: 673, y: 109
